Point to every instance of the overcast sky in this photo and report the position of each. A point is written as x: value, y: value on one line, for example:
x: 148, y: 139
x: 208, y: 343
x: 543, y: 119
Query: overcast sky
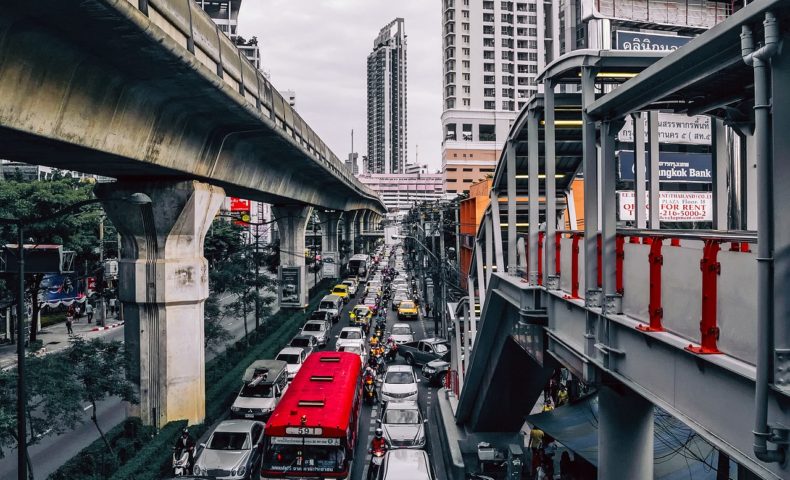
x: 319, y: 49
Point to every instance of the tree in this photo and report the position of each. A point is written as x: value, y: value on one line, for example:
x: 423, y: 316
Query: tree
x: 76, y: 231
x: 98, y: 369
x: 53, y: 402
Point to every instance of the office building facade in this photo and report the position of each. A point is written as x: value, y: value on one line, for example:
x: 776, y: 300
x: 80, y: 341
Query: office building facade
x: 387, y: 101
x: 402, y: 191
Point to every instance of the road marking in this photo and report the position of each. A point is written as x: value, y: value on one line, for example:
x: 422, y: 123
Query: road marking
x: 87, y: 408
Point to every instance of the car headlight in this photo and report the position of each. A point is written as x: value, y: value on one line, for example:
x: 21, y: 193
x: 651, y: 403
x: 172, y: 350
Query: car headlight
x: 234, y: 409
x: 197, y: 470
x: 241, y: 471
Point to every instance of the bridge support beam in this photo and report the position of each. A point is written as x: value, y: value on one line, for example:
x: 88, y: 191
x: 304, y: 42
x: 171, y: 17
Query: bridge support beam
x: 330, y: 222
x: 625, y: 425
x: 163, y: 284
x: 350, y: 230
x: 292, y: 224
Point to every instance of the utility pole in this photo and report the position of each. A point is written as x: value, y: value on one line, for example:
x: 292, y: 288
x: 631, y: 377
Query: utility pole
x: 443, y: 274
x: 257, y: 278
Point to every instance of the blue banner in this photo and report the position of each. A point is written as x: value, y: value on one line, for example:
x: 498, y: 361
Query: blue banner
x: 648, y: 41
x: 672, y: 166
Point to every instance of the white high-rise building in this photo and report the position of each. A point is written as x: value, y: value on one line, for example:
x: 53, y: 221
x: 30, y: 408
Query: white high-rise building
x: 492, y: 55
x: 387, y: 101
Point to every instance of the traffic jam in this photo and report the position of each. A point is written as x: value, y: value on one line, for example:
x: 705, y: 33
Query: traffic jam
x: 348, y: 397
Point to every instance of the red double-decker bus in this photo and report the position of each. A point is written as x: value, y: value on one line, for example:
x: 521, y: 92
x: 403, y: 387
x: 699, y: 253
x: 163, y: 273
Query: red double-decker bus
x: 313, y: 430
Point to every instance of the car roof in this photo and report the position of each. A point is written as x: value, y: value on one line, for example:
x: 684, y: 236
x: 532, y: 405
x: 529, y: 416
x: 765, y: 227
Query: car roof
x: 235, y: 426
x: 303, y: 337
x: 400, y: 368
x: 401, y: 325
x: 406, y: 463
x: 410, y: 405
x: 341, y: 285
x: 331, y: 298
x: 291, y: 350
x: 352, y: 329
x: 322, y: 322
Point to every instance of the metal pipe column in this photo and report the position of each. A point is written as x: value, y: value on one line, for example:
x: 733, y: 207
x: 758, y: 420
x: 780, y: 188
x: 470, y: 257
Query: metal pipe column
x: 533, y: 144
x: 590, y: 168
x: 639, y: 170
x: 489, y: 265
x: 652, y: 163
x: 497, y: 228
x: 550, y: 162
x: 510, y: 152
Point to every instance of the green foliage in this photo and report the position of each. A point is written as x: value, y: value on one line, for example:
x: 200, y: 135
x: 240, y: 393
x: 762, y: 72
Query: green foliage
x: 99, y: 369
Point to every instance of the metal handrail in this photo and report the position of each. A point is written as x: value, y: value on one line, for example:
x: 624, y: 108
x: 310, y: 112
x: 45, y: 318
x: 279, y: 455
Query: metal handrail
x: 744, y: 236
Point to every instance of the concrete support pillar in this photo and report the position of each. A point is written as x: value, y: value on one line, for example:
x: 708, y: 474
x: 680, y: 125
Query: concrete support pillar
x: 550, y: 164
x: 533, y: 187
x: 625, y: 425
x: 292, y: 223
x: 330, y: 222
x: 163, y: 284
x: 350, y: 230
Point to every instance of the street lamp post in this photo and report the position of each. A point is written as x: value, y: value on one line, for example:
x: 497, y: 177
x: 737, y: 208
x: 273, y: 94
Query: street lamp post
x: 21, y: 401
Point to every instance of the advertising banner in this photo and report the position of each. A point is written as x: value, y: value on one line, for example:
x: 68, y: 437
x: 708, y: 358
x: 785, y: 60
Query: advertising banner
x: 672, y: 128
x: 672, y: 166
x: 290, y: 287
x: 62, y: 289
x: 239, y: 205
x: 330, y: 268
x: 674, y: 206
x: 641, y: 41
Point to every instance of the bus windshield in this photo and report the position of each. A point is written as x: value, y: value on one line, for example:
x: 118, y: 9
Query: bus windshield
x: 305, y: 458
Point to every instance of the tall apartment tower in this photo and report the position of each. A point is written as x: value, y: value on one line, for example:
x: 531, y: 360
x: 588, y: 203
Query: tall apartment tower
x: 387, y: 101
x: 493, y: 51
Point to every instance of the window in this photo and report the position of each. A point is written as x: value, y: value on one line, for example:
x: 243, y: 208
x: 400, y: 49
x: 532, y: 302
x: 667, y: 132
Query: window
x: 488, y: 5
x: 489, y: 92
x: 489, y: 105
x: 488, y: 17
x: 450, y: 132
x: 467, y: 89
x: 466, y: 133
x: 507, y: 31
x: 507, y: 18
x: 487, y: 132
x: 465, y: 51
x: 451, y: 180
x: 466, y: 13
x: 488, y: 80
x: 507, y: 56
x: 488, y: 67
x: 467, y: 103
x: 450, y: 103
x: 488, y: 54
x: 488, y: 42
x: 465, y: 26
x: 507, y: 80
x: 452, y: 191
x: 507, y: 105
x: 468, y: 180
x: 466, y: 76
x: 488, y: 29
x: 465, y: 63
x: 507, y: 67
x: 484, y: 170
x: 507, y: 43
x: 465, y: 39
x: 507, y: 92
x: 468, y: 169
x: 452, y: 169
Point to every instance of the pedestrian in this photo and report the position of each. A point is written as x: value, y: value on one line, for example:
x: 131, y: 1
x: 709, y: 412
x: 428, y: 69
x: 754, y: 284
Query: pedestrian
x: 112, y: 306
x: 69, y: 321
x: 427, y: 311
x: 89, y: 311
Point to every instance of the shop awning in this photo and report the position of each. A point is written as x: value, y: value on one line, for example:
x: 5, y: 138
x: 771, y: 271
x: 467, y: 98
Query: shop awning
x: 679, y: 452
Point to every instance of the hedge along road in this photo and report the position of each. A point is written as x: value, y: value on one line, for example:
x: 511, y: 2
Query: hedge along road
x: 54, y: 451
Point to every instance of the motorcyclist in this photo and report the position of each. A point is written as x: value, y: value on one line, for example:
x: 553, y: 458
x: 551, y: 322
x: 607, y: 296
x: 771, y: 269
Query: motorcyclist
x: 378, y: 444
x: 185, y: 441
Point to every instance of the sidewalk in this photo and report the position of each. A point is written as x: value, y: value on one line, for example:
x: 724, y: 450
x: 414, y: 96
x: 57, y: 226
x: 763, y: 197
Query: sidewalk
x: 54, y: 337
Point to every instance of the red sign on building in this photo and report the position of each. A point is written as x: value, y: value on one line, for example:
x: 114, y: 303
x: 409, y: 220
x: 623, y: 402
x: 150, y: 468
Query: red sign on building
x: 239, y: 205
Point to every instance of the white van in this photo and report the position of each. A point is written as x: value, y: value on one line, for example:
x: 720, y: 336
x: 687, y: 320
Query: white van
x: 265, y: 382
x: 332, y: 304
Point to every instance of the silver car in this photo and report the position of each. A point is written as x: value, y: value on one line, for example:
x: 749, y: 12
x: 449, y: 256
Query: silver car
x: 399, y: 384
x: 403, y: 425
x: 318, y: 329
x: 402, y: 333
x: 403, y: 463
x: 232, y: 451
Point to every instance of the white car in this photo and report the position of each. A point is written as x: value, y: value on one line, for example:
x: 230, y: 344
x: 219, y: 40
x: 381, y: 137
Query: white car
x: 318, y: 329
x: 352, y: 286
x: 402, y: 333
x: 294, y: 357
x: 234, y: 449
x: 399, y: 384
x: 403, y: 425
x: 358, y: 349
x: 351, y: 336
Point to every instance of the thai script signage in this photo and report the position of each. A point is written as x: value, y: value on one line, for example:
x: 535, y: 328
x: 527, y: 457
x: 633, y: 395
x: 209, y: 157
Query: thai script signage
x: 672, y: 166
x: 641, y: 41
x: 674, y: 206
x: 673, y: 128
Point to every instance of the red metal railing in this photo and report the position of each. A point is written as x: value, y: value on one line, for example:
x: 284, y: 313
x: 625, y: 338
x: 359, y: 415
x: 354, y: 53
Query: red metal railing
x: 657, y: 240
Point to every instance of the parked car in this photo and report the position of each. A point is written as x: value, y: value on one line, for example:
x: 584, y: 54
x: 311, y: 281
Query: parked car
x: 399, y: 384
x: 351, y: 336
x: 294, y: 357
x: 402, y: 333
x: 407, y: 310
x: 400, y: 464
x: 424, y: 351
x: 319, y: 329
x: 233, y: 451
x: 403, y: 425
x: 306, y: 342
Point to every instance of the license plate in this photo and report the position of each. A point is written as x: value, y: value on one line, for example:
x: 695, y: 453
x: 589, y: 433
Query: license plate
x: 249, y: 415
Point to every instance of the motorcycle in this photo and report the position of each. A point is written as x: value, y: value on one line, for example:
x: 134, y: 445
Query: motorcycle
x: 370, y: 394
x: 181, y: 465
x: 391, y: 351
x: 376, y: 457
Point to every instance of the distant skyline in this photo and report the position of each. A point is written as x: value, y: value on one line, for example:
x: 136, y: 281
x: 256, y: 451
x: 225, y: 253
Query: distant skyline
x: 319, y: 49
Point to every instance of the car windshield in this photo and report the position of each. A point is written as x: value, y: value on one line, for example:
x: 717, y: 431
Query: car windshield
x: 401, y: 331
x: 290, y: 358
x: 440, y: 348
x: 361, y: 311
x: 300, y: 342
x: 350, y: 349
x: 327, y: 306
x: 261, y: 390
x: 350, y: 335
x: 407, y: 304
x: 401, y: 417
x: 339, y: 290
x: 313, y: 327
x: 229, y: 441
x: 399, y: 378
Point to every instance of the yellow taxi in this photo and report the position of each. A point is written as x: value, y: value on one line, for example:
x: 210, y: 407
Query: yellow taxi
x: 341, y: 291
x: 407, y: 310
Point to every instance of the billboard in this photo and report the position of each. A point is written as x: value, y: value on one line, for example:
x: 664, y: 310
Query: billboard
x: 674, y: 206
x: 673, y: 128
x: 640, y: 41
x: 62, y: 289
x: 239, y: 205
x: 330, y: 268
x: 290, y: 287
x: 672, y: 166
